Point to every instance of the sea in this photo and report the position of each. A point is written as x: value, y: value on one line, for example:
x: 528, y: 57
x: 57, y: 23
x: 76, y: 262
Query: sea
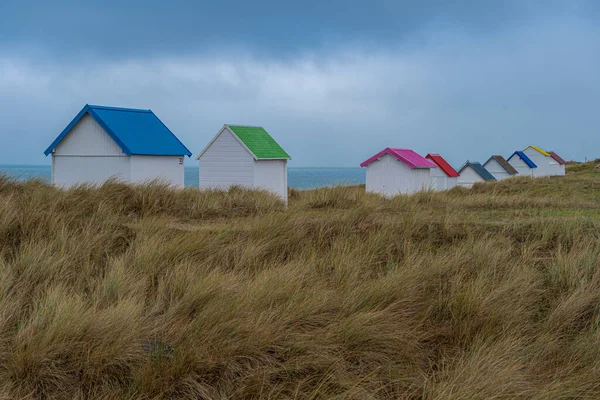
x: 298, y: 177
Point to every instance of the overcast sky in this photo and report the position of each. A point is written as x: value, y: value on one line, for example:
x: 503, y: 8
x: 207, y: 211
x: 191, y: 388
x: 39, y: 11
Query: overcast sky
x: 333, y: 81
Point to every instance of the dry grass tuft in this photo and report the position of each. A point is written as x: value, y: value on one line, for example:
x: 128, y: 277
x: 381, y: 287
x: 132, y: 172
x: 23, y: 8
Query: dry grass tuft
x: 123, y: 292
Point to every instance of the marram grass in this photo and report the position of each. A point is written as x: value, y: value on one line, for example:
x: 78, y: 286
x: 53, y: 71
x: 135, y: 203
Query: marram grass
x: 122, y: 292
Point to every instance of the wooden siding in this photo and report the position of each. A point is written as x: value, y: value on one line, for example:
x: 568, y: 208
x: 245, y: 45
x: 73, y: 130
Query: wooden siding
x: 468, y: 177
x: 272, y: 176
x: 542, y: 162
x: 441, y: 181
x: 494, y: 167
x: 226, y: 163
x: 520, y: 166
x: 390, y: 177
x: 73, y: 170
x: 88, y: 138
x: 167, y: 169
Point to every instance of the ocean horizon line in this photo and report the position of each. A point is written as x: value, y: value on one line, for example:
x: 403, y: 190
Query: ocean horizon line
x: 298, y: 177
x: 189, y: 166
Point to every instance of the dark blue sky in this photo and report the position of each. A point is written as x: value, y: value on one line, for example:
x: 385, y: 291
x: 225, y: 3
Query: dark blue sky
x: 142, y: 28
x: 333, y: 81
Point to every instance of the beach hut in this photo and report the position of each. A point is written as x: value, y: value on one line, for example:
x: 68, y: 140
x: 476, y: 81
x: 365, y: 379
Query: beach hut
x: 244, y: 156
x: 128, y: 144
x: 559, y: 167
x: 444, y: 177
x: 544, y: 161
x: 500, y: 168
x: 398, y: 171
x: 473, y: 172
x: 523, y: 164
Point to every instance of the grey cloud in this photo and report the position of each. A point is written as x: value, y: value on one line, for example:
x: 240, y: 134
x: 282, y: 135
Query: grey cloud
x: 462, y: 96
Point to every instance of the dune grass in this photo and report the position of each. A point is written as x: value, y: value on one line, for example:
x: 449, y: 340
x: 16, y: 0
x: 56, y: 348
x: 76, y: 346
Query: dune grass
x: 123, y: 292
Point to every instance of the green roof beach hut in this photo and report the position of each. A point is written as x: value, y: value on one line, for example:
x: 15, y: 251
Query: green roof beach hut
x: 244, y: 156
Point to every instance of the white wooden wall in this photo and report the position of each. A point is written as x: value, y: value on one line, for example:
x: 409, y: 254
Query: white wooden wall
x: 88, y: 154
x: 226, y: 163
x: 272, y: 176
x: 496, y: 169
x: 88, y: 138
x: 438, y: 179
x: 390, y: 177
x: 441, y: 181
x: 554, y: 168
x: 468, y: 177
x: 72, y: 170
x: 558, y: 170
x: 167, y: 169
x: 520, y: 165
x: 542, y: 162
x: 451, y: 182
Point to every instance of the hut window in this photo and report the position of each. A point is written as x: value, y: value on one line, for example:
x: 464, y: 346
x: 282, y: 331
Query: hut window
x: 180, y: 160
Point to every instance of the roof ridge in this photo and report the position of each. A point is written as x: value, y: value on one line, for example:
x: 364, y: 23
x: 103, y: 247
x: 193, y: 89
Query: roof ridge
x: 412, y: 160
x: 141, y: 110
x: 538, y: 149
x: 246, y: 126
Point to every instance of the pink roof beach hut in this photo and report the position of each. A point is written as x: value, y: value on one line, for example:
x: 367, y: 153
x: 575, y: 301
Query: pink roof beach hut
x: 398, y: 171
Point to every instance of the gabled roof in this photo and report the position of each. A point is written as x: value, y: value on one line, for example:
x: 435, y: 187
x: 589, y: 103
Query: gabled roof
x: 255, y: 140
x: 259, y: 141
x: 503, y: 163
x: 443, y: 165
x: 407, y: 156
x: 479, y: 169
x: 558, y: 158
x: 136, y: 132
x: 523, y: 157
x: 538, y: 150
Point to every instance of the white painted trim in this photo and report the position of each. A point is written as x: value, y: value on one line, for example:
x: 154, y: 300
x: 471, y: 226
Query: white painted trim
x: 285, y: 171
x: 247, y: 126
x: 242, y: 143
x: 210, y: 143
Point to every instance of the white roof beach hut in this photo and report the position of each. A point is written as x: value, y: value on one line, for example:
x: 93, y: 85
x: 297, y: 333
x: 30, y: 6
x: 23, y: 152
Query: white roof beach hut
x: 128, y: 144
x: 546, y: 165
x: 473, y: 172
x: 522, y: 163
x: 500, y: 168
x: 398, y: 171
x: 244, y: 156
x: 444, y: 177
x: 559, y: 168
